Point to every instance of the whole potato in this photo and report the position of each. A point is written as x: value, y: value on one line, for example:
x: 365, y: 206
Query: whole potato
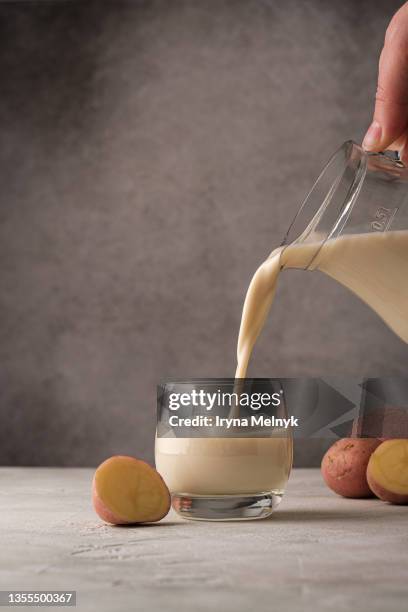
x: 344, y: 466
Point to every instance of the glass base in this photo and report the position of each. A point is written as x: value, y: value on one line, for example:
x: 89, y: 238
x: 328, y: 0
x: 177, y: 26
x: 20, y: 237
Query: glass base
x: 226, y: 507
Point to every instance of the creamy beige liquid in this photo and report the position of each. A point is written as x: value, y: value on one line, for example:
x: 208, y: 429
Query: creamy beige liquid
x: 374, y: 266
x: 224, y: 466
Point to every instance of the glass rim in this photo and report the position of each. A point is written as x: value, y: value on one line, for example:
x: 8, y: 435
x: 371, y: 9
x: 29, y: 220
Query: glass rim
x: 215, y: 381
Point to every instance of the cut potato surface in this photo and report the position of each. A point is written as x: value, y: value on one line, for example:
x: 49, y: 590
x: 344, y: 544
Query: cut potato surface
x: 387, y: 471
x: 126, y: 490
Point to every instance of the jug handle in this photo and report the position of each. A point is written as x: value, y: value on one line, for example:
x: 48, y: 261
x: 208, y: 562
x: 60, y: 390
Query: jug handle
x: 394, y: 156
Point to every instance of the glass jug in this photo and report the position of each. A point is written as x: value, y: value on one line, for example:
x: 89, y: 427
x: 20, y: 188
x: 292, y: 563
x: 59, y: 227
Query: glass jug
x: 353, y: 226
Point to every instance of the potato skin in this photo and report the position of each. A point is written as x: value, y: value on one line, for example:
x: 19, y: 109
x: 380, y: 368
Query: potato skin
x: 344, y: 466
x: 385, y: 494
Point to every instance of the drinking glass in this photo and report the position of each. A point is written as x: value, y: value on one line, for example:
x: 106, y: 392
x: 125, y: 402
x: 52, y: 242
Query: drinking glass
x: 218, y: 469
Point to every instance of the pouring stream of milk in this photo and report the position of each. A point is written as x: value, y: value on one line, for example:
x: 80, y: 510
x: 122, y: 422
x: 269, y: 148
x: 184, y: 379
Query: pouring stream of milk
x: 374, y: 266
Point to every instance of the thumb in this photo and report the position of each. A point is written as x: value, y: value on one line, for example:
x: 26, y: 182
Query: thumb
x: 391, y: 104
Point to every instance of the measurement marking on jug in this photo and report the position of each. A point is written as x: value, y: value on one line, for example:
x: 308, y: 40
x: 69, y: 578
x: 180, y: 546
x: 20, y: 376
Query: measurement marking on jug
x: 383, y: 218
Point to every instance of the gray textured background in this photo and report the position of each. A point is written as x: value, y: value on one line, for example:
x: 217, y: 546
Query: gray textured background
x: 151, y: 155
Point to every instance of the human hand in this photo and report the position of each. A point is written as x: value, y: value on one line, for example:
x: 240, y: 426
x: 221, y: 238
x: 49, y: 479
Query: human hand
x: 389, y: 129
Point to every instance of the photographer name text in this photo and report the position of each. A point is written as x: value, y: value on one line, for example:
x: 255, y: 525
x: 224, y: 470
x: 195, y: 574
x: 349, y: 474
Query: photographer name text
x: 227, y: 423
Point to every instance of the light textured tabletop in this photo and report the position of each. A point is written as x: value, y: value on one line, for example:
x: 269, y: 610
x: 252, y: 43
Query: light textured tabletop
x: 318, y: 551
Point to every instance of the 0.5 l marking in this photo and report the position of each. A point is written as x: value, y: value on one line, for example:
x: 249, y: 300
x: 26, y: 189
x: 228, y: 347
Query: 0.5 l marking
x: 383, y: 219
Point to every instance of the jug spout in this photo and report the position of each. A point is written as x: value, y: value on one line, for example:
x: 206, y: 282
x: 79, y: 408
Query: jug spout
x: 325, y: 210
